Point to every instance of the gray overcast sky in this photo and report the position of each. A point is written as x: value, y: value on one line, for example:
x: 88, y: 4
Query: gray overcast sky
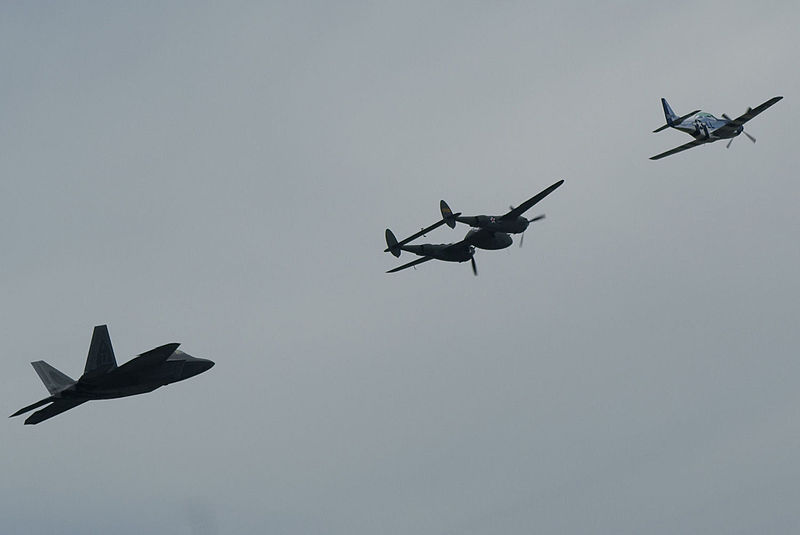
x: 222, y: 177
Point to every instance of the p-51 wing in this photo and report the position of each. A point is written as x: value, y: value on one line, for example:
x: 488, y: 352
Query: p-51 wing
x: 527, y: 205
x: 691, y: 144
x: 749, y: 114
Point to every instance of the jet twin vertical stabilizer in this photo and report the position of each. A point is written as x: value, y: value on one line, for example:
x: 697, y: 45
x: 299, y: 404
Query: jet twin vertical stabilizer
x: 101, y: 355
x: 53, y: 380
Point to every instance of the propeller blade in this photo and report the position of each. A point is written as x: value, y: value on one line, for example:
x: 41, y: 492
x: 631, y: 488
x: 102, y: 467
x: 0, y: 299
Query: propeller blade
x: 751, y: 138
x: 474, y: 266
x: 521, y: 238
x: 537, y: 218
x: 729, y: 144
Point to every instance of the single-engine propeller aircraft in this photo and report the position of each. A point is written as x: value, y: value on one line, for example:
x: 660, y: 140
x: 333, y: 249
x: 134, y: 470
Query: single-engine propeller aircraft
x: 103, y: 379
x: 447, y: 252
x: 705, y: 128
x: 492, y: 232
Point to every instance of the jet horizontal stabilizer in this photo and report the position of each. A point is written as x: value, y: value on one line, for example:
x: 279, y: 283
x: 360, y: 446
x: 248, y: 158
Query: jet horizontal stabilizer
x: 32, y: 406
x: 58, y: 406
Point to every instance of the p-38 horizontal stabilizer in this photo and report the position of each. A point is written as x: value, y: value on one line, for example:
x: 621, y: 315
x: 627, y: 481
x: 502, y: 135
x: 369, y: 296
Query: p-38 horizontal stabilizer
x: 396, y: 246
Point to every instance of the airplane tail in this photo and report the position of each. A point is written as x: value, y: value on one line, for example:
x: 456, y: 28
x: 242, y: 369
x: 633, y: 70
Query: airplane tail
x: 53, y: 380
x: 672, y: 119
x: 447, y: 214
x: 391, y: 243
x: 101, y: 355
x: 668, y: 113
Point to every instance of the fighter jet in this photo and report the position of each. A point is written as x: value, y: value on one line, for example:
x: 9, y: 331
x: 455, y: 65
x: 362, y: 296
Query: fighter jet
x: 706, y: 128
x: 492, y: 232
x: 103, y: 379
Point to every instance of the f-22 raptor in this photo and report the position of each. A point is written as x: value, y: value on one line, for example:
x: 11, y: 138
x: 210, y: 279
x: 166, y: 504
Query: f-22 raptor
x: 103, y: 379
x: 705, y: 128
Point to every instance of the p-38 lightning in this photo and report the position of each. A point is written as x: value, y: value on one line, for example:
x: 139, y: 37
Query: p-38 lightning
x: 705, y: 128
x: 487, y: 232
x: 492, y: 232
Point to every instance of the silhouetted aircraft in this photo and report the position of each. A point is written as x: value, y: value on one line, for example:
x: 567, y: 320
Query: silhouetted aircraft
x: 492, y: 232
x: 447, y: 252
x: 103, y: 379
x: 705, y: 128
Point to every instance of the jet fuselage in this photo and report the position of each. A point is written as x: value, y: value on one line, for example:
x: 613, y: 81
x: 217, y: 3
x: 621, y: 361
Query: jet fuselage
x: 120, y: 382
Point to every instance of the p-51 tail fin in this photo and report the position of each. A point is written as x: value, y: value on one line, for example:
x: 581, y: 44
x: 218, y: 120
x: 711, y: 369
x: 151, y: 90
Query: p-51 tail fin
x: 672, y: 119
x: 53, y: 380
x: 668, y: 113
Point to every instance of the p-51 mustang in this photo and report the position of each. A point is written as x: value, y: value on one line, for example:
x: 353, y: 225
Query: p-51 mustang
x: 706, y: 128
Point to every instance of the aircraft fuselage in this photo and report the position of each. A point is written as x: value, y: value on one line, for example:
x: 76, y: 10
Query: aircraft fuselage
x: 486, y: 239
x: 445, y: 251
x: 706, y: 126
x: 120, y: 383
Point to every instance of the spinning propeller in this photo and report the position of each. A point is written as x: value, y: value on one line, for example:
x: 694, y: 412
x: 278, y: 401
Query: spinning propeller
x: 522, y: 235
x: 472, y: 260
x: 751, y: 138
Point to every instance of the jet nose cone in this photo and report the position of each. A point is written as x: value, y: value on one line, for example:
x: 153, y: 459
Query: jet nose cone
x: 196, y: 366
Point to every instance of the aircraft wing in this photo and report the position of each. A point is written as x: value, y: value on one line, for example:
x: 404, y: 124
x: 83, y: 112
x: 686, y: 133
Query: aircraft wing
x: 411, y: 264
x: 56, y: 408
x: 691, y: 144
x: 422, y: 232
x: 739, y: 121
x: 749, y: 114
x: 149, y: 358
x: 518, y: 211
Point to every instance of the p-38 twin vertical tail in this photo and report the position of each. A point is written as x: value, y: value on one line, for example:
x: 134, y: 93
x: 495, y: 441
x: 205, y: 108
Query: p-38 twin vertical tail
x: 705, y: 128
x: 487, y: 232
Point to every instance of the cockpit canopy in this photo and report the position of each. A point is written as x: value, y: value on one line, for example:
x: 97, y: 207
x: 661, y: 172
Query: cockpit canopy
x: 704, y: 115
